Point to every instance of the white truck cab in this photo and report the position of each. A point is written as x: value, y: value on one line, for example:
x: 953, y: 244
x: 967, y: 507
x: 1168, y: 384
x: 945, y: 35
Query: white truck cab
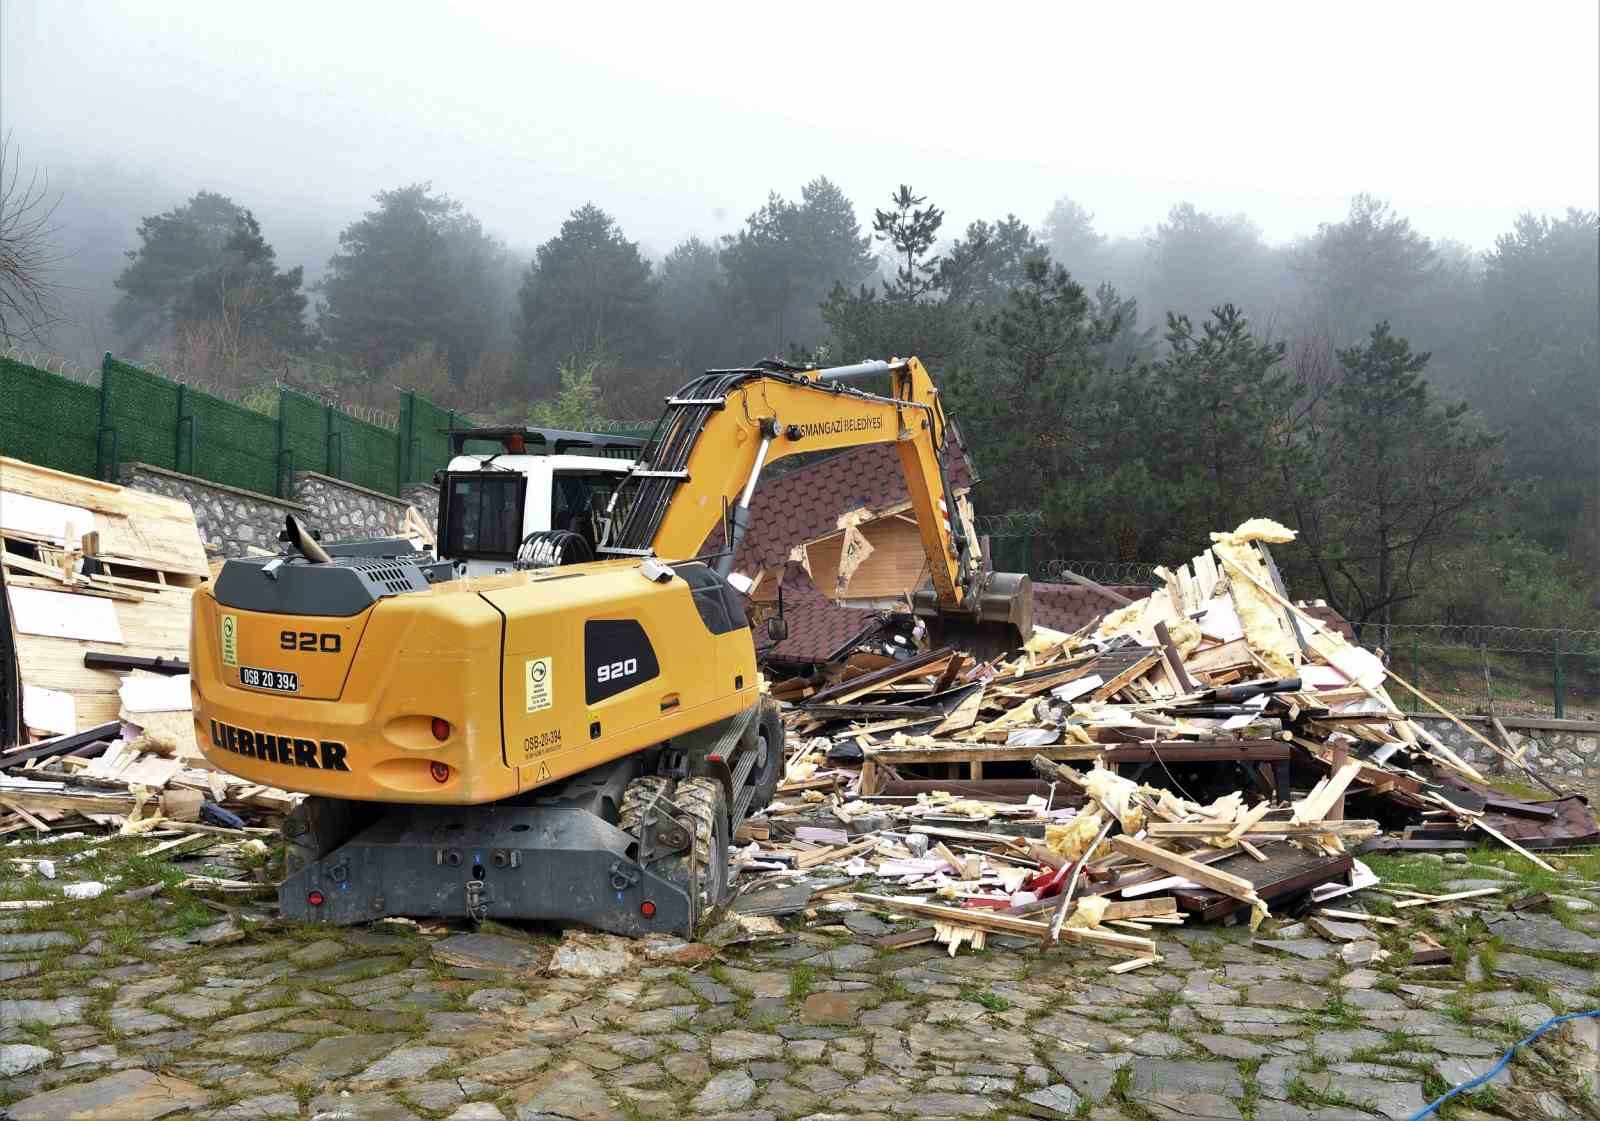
x: 492, y: 501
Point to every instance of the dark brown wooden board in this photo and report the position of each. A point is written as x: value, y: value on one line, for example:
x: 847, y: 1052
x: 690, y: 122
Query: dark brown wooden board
x: 858, y: 686
x: 1221, y: 751
x: 1288, y: 871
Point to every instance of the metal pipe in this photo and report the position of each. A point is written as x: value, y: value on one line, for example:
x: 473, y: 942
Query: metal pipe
x: 740, y: 514
x: 860, y: 370
x: 755, y: 472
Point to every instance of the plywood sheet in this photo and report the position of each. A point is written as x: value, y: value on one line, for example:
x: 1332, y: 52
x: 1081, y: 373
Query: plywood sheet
x: 39, y: 519
x: 143, y: 529
x: 155, y: 627
x: 64, y: 615
x: 49, y: 710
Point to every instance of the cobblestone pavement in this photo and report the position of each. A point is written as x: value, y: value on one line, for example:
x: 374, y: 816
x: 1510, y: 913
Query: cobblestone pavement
x: 126, y: 1011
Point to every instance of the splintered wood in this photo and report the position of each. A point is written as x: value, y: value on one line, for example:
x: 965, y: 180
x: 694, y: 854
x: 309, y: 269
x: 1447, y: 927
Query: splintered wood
x: 1217, y: 665
x: 133, y: 599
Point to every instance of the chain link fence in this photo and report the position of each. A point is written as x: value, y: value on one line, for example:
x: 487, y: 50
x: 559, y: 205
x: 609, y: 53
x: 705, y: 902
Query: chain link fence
x: 1483, y: 669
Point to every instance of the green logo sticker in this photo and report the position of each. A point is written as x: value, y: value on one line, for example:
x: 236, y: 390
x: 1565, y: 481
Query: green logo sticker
x: 230, y: 640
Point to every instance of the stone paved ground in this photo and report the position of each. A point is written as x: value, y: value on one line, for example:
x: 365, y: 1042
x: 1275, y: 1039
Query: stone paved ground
x: 145, y: 1008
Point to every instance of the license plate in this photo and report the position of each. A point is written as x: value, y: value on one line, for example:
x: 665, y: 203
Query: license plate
x: 279, y: 681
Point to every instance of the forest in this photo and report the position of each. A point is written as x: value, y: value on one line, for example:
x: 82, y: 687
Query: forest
x: 1424, y: 415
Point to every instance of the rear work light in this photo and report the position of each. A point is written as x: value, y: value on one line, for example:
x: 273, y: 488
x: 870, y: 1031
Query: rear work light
x: 441, y: 728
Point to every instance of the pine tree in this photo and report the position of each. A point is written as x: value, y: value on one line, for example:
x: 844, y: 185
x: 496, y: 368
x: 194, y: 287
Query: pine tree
x: 588, y: 293
x: 1391, y: 477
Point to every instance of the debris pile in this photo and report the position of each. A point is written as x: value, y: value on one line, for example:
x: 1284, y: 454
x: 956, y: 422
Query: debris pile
x: 96, y: 581
x: 1201, y: 710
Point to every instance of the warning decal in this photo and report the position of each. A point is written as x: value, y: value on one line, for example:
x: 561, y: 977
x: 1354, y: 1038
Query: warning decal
x: 230, y: 640
x: 538, y: 679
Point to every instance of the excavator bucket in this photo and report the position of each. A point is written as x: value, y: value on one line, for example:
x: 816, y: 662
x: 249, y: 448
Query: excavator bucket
x: 1002, y: 622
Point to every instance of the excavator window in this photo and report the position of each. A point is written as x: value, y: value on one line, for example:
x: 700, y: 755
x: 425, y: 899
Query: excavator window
x: 482, y: 515
x: 578, y: 499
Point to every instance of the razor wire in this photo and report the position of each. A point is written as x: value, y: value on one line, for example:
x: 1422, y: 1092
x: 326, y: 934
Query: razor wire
x: 1101, y: 572
x: 1028, y: 523
x: 51, y: 363
x: 1491, y: 638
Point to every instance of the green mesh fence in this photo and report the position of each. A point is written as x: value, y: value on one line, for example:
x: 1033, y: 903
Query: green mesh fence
x: 47, y: 419
x: 363, y: 453
x: 227, y: 443
x: 140, y: 411
x: 139, y: 416
x: 424, y: 447
x: 302, y: 432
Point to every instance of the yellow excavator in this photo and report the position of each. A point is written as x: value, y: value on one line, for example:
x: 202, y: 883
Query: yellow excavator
x: 575, y: 739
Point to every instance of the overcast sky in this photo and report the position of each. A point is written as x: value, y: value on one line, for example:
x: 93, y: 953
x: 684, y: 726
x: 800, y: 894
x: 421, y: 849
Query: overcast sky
x: 678, y: 118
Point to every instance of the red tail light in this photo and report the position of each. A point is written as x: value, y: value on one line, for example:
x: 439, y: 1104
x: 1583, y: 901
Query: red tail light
x: 314, y: 898
x: 441, y: 728
x: 647, y: 909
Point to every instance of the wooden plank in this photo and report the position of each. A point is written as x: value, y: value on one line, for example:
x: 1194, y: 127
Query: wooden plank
x: 829, y: 855
x: 1453, y: 897
x: 934, y: 661
x: 1459, y: 723
x: 1134, y: 963
x: 904, y: 938
x: 1126, y: 677
x: 1109, y: 940
x: 1219, y: 751
x: 1247, y: 821
x: 963, y: 916
x: 1316, y: 806
x: 1174, y: 660
x: 1166, y: 829
x: 1148, y: 907
x: 84, y: 801
x: 24, y: 815
x: 1509, y: 843
x: 1178, y: 865
x: 1288, y: 872
x: 1358, y: 916
x: 1220, y: 659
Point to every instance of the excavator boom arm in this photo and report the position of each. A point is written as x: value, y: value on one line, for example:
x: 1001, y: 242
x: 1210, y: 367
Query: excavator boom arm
x: 723, y: 428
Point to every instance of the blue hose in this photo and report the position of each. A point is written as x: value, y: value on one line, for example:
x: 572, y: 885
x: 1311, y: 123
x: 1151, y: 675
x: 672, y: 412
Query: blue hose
x: 1473, y: 1084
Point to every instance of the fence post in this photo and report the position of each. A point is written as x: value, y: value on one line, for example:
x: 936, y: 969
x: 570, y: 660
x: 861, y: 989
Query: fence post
x: 100, y: 430
x: 1416, y: 670
x: 402, y: 453
x: 333, y: 467
x: 1560, y: 682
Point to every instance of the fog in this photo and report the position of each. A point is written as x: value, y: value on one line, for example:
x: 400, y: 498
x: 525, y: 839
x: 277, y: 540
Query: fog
x: 678, y: 120
x: 1367, y: 220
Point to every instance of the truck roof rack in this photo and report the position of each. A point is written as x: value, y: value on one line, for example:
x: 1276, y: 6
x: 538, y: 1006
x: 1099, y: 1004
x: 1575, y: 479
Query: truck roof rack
x: 547, y: 441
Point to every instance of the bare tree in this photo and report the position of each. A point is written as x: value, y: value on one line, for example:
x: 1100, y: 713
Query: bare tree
x: 30, y: 302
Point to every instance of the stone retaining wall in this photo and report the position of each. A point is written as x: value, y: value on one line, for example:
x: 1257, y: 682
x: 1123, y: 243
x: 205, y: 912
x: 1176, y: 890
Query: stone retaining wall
x: 343, y: 510
x: 232, y: 520
x: 229, y: 518
x: 1570, y: 753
